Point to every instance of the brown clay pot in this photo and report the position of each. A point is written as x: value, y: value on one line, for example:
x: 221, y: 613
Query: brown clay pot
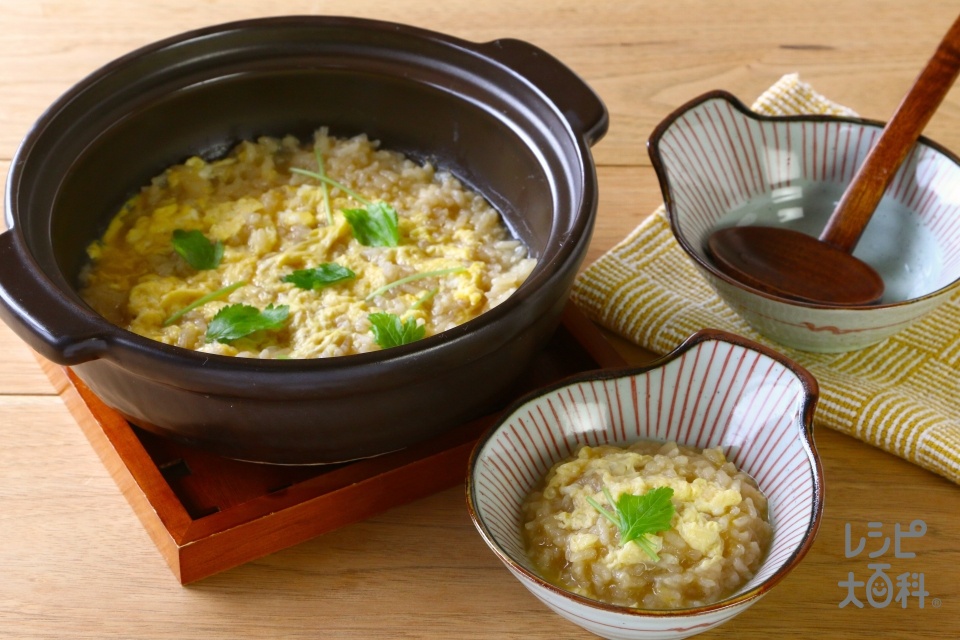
x: 507, y: 118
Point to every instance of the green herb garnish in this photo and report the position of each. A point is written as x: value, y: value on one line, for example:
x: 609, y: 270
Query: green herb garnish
x: 323, y: 185
x: 319, y: 277
x: 376, y: 225
x: 219, y: 293
x: 239, y: 320
x: 422, y: 300
x: 197, y: 250
x: 390, y: 331
x: 637, y: 516
x: 416, y: 276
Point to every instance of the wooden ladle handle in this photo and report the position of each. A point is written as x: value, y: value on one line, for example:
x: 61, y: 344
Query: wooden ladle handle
x: 862, y: 196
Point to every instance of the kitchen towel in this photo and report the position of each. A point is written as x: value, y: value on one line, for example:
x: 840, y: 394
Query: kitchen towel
x: 902, y: 394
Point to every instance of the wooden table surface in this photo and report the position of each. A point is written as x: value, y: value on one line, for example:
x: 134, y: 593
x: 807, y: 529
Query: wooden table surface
x: 75, y: 561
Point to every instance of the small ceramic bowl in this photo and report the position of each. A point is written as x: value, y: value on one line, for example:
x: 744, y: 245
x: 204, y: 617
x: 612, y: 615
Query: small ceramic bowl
x: 720, y: 165
x: 716, y: 389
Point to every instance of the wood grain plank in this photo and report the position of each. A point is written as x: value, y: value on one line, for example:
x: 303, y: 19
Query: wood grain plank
x: 19, y: 372
x: 637, y: 56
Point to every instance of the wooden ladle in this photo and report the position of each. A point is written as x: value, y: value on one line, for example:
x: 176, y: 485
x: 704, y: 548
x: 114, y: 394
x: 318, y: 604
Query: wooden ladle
x: 797, y: 266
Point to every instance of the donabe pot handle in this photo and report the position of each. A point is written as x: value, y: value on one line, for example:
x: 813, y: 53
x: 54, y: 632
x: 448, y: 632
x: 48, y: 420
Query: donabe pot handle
x: 573, y: 96
x: 41, y: 314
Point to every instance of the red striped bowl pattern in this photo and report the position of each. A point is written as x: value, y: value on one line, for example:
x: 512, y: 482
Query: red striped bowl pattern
x: 713, y: 155
x: 721, y: 157
x: 715, y: 390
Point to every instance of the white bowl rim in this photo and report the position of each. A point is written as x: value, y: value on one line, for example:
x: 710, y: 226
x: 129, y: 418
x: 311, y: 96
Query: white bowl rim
x: 653, y: 150
x: 811, y: 396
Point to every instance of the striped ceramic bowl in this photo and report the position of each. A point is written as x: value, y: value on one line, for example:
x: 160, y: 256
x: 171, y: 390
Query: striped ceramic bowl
x: 720, y: 164
x: 716, y: 389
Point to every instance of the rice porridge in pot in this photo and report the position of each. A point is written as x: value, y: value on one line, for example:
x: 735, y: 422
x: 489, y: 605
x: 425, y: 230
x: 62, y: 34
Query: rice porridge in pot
x: 712, y: 540
x: 290, y: 250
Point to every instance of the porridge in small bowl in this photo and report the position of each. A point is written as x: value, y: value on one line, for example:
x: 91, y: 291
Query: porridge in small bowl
x: 650, y: 525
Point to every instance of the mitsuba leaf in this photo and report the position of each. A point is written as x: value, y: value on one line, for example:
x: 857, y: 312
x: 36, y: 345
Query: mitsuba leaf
x: 416, y: 276
x: 197, y: 250
x: 239, y: 320
x: 389, y: 331
x: 219, y: 293
x: 319, y: 277
x: 636, y: 516
x: 375, y: 225
x: 649, y: 513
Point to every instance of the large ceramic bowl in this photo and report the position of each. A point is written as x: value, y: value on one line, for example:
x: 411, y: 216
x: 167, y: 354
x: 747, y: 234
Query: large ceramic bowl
x: 720, y: 164
x: 506, y: 117
x: 716, y: 389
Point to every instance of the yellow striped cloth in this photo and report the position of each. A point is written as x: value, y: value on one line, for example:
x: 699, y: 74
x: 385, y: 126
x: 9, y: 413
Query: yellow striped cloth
x: 902, y: 395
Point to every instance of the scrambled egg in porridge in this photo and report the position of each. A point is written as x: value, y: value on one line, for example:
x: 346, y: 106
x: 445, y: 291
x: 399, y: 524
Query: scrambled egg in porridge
x: 294, y: 262
x: 713, y: 541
